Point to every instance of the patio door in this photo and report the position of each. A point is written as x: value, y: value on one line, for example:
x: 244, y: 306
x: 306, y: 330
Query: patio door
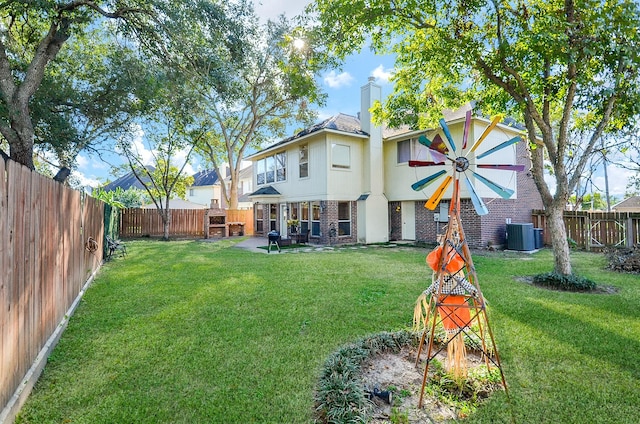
x: 283, y: 220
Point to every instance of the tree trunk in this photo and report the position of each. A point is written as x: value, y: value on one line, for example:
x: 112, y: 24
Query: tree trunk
x: 166, y: 221
x: 233, y: 192
x: 21, y: 149
x: 555, y: 224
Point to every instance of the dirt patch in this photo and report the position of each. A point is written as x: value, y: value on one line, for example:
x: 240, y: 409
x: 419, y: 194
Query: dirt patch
x: 399, y: 370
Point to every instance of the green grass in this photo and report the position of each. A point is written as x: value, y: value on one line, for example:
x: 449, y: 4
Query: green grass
x: 194, y: 332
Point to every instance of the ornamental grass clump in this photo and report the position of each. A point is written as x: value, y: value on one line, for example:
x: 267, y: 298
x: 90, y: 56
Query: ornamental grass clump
x: 340, y: 396
x: 564, y: 282
x: 463, y: 394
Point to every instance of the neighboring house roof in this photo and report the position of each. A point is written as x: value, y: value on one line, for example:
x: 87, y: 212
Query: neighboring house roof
x: 246, y: 173
x: 265, y: 191
x: 205, y: 178
x: 202, y: 178
x: 177, y: 204
x: 245, y: 198
x: 632, y: 203
x: 127, y: 181
x: 340, y: 122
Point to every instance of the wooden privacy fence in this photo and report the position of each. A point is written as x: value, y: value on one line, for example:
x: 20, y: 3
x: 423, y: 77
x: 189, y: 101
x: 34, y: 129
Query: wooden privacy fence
x: 184, y: 222
x: 596, y: 230
x: 44, y: 265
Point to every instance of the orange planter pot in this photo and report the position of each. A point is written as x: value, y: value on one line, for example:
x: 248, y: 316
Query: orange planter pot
x: 454, y: 312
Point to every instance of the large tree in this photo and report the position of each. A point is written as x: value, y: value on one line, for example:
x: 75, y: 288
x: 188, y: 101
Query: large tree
x: 169, y: 133
x: 557, y: 66
x: 32, y: 35
x: 273, y: 88
x: 90, y: 95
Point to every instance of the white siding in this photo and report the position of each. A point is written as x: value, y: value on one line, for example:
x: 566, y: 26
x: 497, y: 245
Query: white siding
x: 202, y: 195
x: 345, y: 184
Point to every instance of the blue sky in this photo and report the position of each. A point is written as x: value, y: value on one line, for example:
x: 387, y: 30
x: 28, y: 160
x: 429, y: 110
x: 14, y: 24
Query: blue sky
x: 343, y: 89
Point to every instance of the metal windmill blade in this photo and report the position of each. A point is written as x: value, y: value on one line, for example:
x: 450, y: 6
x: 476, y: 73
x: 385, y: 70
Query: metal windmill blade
x: 500, y: 146
x: 461, y: 165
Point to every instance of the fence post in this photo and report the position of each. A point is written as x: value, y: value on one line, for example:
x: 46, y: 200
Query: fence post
x: 587, y: 223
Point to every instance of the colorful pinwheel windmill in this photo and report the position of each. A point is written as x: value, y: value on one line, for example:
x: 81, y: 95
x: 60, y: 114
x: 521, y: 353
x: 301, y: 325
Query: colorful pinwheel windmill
x: 454, y: 300
x: 461, y: 165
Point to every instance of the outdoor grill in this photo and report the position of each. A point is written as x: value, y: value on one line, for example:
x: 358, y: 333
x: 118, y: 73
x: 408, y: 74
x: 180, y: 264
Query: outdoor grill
x: 274, y: 240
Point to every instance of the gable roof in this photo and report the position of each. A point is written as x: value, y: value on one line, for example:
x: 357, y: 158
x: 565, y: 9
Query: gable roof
x: 205, y: 178
x: 127, y: 181
x: 341, y: 123
x: 632, y: 202
x: 202, y: 178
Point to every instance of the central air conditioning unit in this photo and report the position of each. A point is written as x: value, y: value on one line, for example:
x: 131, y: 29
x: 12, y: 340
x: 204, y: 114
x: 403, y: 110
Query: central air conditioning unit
x: 520, y: 237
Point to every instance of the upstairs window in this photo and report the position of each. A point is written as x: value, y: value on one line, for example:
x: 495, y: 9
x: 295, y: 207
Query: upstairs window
x: 261, y: 169
x: 404, y: 151
x: 340, y: 156
x: 411, y: 149
x: 272, y: 169
x: 281, y: 166
x: 304, y: 161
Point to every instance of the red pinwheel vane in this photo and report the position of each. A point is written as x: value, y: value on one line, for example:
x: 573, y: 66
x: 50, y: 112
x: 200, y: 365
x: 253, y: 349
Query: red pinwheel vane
x: 461, y: 165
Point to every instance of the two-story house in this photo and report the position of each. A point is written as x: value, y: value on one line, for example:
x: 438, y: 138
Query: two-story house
x: 347, y: 180
x: 206, y: 188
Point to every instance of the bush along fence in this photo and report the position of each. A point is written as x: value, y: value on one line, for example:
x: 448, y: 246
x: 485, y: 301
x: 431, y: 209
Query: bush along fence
x: 50, y: 246
x: 595, y: 230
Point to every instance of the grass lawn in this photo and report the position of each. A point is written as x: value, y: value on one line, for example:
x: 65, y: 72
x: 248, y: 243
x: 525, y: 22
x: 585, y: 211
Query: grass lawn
x: 200, y: 332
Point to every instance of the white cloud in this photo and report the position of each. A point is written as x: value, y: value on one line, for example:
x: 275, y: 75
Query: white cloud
x: 271, y: 9
x: 85, y: 162
x: 334, y: 80
x: 381, y: 74
x: 86, y: 181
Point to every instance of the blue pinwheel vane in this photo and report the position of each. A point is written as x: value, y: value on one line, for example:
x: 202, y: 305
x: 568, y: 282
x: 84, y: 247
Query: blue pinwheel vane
x: 440, y: 152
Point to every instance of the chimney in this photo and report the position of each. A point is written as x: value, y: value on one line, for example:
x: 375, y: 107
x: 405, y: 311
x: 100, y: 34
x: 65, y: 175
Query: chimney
x: 373, y: 221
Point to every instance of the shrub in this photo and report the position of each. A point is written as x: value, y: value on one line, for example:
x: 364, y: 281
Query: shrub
x: 564, y: 282
x: 624, y: 259
x: 340, y: 397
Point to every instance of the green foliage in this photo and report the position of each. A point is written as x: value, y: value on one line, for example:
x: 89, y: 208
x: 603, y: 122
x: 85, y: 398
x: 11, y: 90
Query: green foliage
x: 70, y: 80
x: 398, y: 417
x: 633, y: 186
x: 464, y: 394
x: 564, y: 282
x: 340, y: 396
x: 563, y: 69
x: 119, y: 198
x: 593, y: 201
x: 274, y: 88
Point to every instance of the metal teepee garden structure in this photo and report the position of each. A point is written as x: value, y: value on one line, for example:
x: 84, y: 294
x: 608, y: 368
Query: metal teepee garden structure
x: 454, y: 300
